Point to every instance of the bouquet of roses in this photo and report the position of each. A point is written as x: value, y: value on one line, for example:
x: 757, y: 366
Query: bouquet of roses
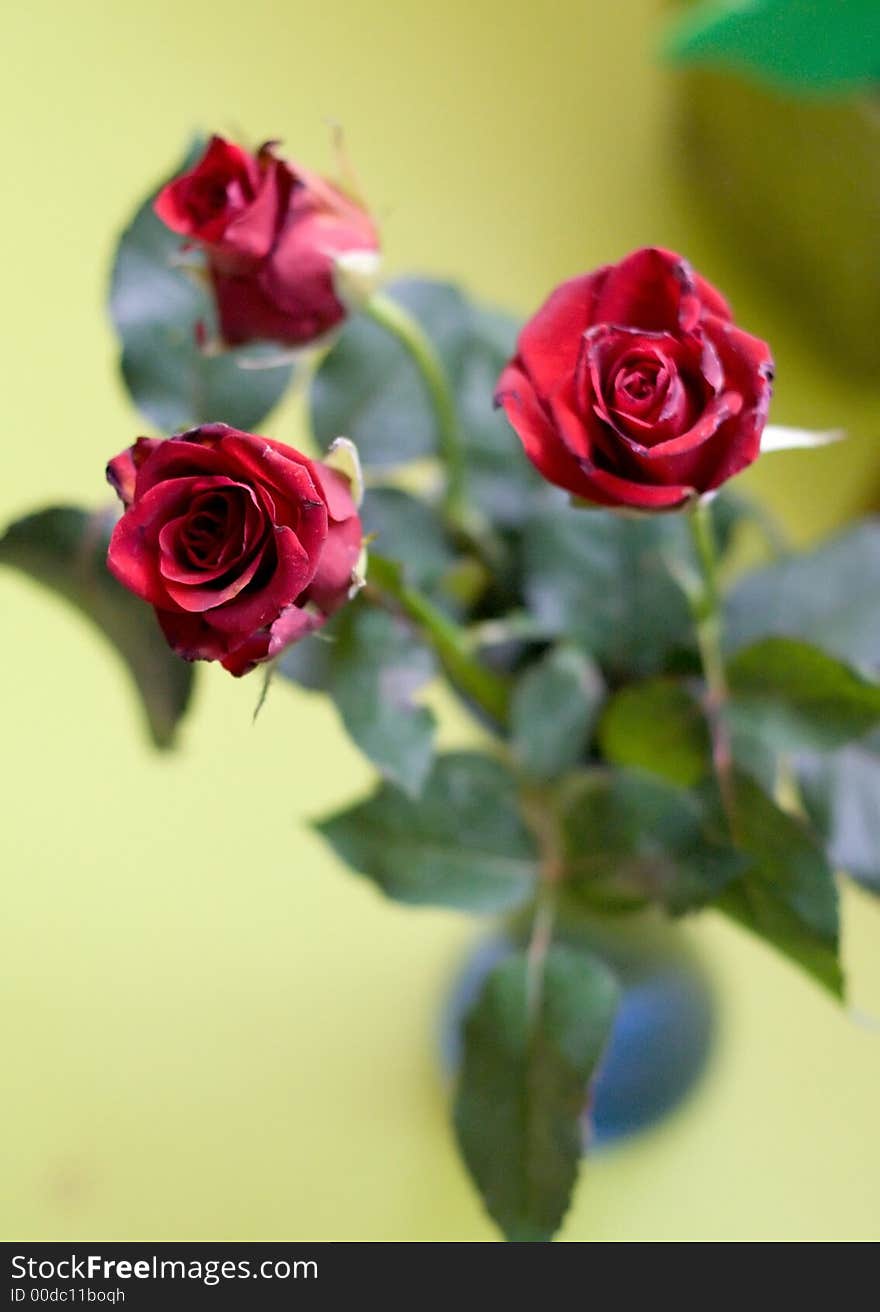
x: 535, y: 513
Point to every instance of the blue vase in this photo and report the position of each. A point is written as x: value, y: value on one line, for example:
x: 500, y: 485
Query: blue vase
x: 662, y: 1035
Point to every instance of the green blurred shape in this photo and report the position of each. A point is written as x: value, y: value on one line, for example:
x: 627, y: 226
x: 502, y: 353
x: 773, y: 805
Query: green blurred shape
x: 794, y: 186
x: 825, y: 46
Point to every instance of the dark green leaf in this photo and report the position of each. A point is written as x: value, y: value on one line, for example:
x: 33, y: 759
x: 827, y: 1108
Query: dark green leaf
x: 368, y: 388
x: 629, y: 839
x: 377, y: 667
x: 842, y: 793
x: 797, y: 696
x: 156, y: 307
x: 788, y: 895
x: 65, y: 549
x: 657, y: 726
x: 817, y: 45
x: 371, y: 664
x: 461, y: 844
x: 502, y: 481
x: 602, y: 579
x: 827, y: 596
x: 553, y: 710
x: 531, y: 1048
x: 408, y: 530
x: 310, y: 662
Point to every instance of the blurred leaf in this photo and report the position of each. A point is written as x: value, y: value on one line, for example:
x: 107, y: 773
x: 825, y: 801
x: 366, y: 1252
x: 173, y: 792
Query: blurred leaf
x: 819, y: 45
x: 531, y: 1049
x: 370, y: 663
x: 484, y: 688
x: 369, y: 388
x: 553, y: 710
x: 827, y: 596
x: 410, y: 531
x: 377, y: 667
x: 602, y: 580
x: 65, y: 549
x: 842, y: 794
x: 788, y: 895
x: 502, y: 480
x: 657, y: 726
x: 629, y: 839
x: 798, y: 697
x: 156, y: 307
x: 310, y: 661
x: 461, y: 844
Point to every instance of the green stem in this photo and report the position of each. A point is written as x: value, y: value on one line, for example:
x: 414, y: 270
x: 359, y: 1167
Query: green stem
x: 409, y: 332
x: 450, y: 641
x: 540, y: 811
x: 540, y: 943
x: 705, y: 603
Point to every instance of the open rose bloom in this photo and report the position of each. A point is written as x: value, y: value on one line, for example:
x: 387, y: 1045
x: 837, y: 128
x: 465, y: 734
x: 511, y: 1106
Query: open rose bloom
x: 632, y: 386
x: 241, y: 544
x: 274, y: 236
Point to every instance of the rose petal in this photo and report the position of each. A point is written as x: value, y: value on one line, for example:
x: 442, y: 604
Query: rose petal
x: 222, y: 162
x: 652, y: 290
x: 549, y: 345
x: 543, y: 445
x: 332, y: 582
x: 292, y: 625
x: 336, y: 490
x: 263, y: 602
x: 190, y: 637
x: 133, y: 553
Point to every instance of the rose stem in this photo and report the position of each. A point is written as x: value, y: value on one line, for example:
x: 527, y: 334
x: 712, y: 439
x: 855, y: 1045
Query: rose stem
x: 450, y: 641
x: 397, y: 321
x: 539, y: 811
x: 705, y: 603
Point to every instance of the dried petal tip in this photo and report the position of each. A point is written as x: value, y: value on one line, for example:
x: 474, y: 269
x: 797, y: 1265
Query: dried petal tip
x: 356, y: 277
x: 342, y: 456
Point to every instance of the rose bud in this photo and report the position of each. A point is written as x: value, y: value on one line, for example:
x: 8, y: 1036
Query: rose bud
x: 283, y: 245
x: 632, y: 387
x: 241, y: 544
x: 232, y: 203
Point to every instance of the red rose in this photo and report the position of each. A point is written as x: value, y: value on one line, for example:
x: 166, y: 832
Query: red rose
x: 241, y: 544
x: 232, y: 203
x: 632, y: 387
x: 274, y: 236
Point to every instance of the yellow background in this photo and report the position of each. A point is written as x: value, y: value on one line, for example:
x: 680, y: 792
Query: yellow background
x: 210, y: 1028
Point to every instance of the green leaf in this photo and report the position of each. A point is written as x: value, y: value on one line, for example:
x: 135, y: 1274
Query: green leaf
x: 657, y: 726
x: 629, y: 839
x: 461, y: 844
x: 816, y: 45
x: 501, y: 479
x: 553, y: 710
x: 408, y: 530
x: 788, y: 895
x: 369, y: 388
x: 602, y: 580
x: 483, y: 687
x: 310, y: 661
x: 371, y: 664
x: 799, y: 697
x: 377, y: 667
x: 156, y: 306
x: 827, y: 596
x: 530, y: 1051
x: 842, y: 795
x: 65, y: 549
